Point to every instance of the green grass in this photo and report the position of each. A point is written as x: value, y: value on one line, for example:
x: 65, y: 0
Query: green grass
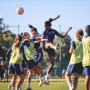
x: 57, y: 84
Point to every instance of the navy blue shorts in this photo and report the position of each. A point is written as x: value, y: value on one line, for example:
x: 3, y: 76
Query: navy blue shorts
x: 2, y: 72
x: 75, y: 68
x: 31, y: 64
x: 24, y: 64
x: 38, y: 56
x: 87, y: 70
x: 50, y: 51
x: 16, y: 69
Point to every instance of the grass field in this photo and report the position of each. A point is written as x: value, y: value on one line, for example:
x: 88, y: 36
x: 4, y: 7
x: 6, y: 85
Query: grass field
x: 57, y: 84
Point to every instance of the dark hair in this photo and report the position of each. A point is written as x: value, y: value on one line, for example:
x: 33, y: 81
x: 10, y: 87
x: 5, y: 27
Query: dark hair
x: 87, y: 29
x: 48, y: 23
x: 32, y: 28
x: 80, y: 32
x: 21, y: 34
x: 20, y: 38
x: 25, y: 34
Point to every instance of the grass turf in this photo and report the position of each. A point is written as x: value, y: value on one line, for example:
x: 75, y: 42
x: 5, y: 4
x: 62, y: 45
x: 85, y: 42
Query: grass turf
x: 57, y: 84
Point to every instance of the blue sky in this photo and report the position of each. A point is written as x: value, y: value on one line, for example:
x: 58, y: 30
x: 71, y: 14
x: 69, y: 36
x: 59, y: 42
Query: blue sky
x: 75, y: 13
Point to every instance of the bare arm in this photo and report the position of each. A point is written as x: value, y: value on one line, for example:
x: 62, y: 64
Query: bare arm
x: 42, y: 40
x: 71, y: 50
x: 63, y: 35
x: 69, y: 29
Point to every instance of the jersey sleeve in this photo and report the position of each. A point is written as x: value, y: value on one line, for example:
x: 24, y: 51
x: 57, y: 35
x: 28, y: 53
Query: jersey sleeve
x: 23, y: 52
x: 58, y: 34
x: 73, y: 45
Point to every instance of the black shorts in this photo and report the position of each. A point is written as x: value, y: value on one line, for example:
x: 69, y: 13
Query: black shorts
x: 50, y: 51
x: 38, y: 55
x: 75, y: 68
x: 31, y: 64
x: 24, y: 64
x: 2, y: 72
x: 16, y: 69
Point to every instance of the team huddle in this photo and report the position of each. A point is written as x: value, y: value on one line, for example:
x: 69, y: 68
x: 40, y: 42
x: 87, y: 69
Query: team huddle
x: 26, y: 55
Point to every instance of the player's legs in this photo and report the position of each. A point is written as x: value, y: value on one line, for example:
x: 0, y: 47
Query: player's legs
x: 50, y: 68
x: 77, y: 72
x: 20, y: 76
x: 14, y: 77
x: 20, y: 80
x: 69, y: 71
x: 87, y: 83
x: 75, y: 78
x: 68, y: 80
x: 29, y: 77
x: 51, y: 65
x: 30, y: 65
x: 37, y: 65
x: 1, y: 72
x: 13, y: 82
x: 51, y: 53
x: 50, y: 45
x: 38, y: 70
x: 87, y: 77
x: 24, y: 67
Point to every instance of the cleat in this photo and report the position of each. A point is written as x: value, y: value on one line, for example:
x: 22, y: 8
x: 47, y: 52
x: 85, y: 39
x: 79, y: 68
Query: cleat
x: 29, y: 89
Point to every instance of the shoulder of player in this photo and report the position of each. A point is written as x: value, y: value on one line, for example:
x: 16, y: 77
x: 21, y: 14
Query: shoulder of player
x: 86, y: 39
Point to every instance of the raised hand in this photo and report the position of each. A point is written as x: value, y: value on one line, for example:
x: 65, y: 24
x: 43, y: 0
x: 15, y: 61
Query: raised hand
x: 69, y: 29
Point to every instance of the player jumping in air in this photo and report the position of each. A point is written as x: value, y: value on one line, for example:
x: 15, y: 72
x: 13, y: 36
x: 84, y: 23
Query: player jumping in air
x: 49, y: 34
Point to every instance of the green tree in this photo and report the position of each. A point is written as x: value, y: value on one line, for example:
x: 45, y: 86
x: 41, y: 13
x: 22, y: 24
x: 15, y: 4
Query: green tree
x: 6, y: 36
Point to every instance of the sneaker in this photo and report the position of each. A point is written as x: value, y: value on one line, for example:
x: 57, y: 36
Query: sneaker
x: 71, y: 88
x: 46, y: 80
x: 29, y: 89
x: 40, y: 82
x: 9, y: 87
x: 20, y: 88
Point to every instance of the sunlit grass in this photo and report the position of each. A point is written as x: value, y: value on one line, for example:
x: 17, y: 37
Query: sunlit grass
x: 55, y: 84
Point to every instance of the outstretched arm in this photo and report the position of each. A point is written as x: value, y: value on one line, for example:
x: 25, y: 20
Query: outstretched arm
x: 72, y: 48
x: 63, y: 35
x: 40, y: 39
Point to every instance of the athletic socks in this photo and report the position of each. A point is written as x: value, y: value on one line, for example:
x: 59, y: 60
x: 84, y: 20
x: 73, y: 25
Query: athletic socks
x: 28, y: 85
x: 21, y: 87
x: 70, y: 86
x: 47, y: 75
x: 47, y: 79
x: 41, y: 81
x: 10, y: 86
x: 13, y: 88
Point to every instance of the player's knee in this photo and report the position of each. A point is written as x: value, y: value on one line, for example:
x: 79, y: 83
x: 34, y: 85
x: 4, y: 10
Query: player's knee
x: 67, y: 74
x: 52, y: 64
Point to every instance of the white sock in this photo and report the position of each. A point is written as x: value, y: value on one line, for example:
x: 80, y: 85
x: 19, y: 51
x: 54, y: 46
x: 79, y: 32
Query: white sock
x: 40, y: 78
x: 13, y: 88
x: 9, y: 87
x: 70, y: 86
x: 17, y: 88
x: 21, y: 87
x: 28, y: 85
x: 10, y: 84
x: 47, y: 75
